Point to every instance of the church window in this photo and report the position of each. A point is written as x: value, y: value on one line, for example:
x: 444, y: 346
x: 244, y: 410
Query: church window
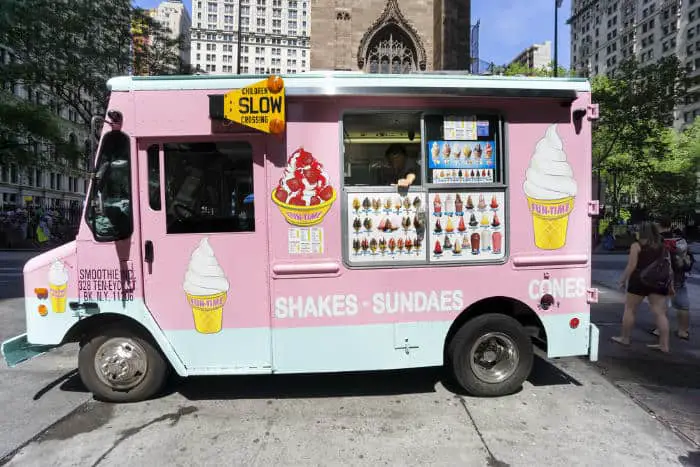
x: 391, y: 51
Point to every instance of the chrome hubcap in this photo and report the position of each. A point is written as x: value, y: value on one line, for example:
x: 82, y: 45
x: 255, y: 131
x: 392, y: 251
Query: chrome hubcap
x: 121, y: 363
x: 494, y: 357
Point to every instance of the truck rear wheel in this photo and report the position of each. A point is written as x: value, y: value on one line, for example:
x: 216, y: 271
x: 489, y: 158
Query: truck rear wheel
x: 118, y: 365
x: 490, y: 355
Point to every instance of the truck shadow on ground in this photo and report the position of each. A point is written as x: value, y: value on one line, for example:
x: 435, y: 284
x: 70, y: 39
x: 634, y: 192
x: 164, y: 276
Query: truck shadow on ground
x: 374, y: 383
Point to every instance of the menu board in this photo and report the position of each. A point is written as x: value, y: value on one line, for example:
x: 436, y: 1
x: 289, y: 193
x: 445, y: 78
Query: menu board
x: 466, y: 226
x: 461, y: 161
x: 386, y: 227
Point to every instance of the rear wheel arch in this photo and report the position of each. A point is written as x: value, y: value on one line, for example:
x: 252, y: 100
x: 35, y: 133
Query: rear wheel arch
x: 508, y: 306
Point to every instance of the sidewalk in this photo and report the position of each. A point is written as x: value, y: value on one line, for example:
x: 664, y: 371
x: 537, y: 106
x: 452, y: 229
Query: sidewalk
x: 668, y: 386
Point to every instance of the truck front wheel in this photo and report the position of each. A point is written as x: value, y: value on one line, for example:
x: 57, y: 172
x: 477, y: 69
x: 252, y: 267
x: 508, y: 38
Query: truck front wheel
x: 118, y: 365
x: 490, y: 355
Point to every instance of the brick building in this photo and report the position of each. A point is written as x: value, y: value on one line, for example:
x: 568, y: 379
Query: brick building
x: 381, y: 36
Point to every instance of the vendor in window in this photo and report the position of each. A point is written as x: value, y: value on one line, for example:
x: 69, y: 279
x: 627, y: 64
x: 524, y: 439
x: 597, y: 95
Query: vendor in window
x: 401, y: 169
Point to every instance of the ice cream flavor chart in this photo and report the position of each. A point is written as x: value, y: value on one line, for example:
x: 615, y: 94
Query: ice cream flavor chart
x: 206, y: 289
x: 466, y: 226
x: 386, y: 227
x: 550, y: 188
x: 462, y: 161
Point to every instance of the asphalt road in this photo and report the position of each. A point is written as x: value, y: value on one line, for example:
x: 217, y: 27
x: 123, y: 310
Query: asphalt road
x: 11, y: 264
x: 570, y: 412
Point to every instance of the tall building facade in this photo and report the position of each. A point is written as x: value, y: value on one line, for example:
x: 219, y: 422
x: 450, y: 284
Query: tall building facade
x: 388, y: 36
x: 536, y: 57
x: 173, y: 15
x: 606, y: 32
x: 52, y: 182
x: 273, y: 36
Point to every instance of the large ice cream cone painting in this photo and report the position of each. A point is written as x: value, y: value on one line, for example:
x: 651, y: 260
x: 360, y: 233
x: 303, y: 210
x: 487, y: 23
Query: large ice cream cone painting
x: 58, y: 284
x: 550, y: 188
x: 206, y: 289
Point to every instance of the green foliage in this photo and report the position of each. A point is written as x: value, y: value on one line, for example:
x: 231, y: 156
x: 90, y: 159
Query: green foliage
x: 634, y: 148
x: 66, y: 50
x: 669, y: 184
x: 69, y: 46
x: 636, y: 104
x: 155, y: 52
x: 519, y: 69
x: 23, y: 124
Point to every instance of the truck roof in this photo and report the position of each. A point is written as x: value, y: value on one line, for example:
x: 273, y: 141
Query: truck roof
x: 338, y: 83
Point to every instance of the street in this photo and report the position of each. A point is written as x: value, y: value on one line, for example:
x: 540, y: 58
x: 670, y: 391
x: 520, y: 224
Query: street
x: 633, y: 407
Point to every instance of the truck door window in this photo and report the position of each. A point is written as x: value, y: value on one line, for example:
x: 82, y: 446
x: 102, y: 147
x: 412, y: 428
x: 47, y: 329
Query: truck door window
x: 381, y: 148
x: 154, y: 177
x: 209, y: 187
x: 109, y: 210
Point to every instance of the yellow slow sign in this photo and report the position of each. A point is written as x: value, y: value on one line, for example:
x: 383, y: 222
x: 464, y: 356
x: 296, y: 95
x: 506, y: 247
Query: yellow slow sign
x: 259, y: 106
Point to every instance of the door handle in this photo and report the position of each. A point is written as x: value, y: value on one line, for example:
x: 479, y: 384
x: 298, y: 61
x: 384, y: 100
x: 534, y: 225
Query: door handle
x: 148, y: 251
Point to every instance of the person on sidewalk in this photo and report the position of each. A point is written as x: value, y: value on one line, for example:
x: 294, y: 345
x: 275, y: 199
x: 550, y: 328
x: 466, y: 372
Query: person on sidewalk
x: 682, y: 261
x: 644, y: 252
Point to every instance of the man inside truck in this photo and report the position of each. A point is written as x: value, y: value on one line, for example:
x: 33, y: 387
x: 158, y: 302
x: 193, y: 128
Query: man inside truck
x: 401, y: 170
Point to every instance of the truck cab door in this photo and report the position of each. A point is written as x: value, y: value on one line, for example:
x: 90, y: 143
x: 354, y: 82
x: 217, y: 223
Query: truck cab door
x: 205, y: 261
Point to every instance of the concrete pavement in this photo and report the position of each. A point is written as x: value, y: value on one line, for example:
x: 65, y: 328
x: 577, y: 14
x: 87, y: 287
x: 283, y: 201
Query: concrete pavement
x: 42, y: 390
x: 666, y: 385
x: 564, y: 415
x: 38, y: 393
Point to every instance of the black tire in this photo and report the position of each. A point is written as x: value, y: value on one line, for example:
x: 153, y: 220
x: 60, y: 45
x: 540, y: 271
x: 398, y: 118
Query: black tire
x: 149, y: 381
x: 509, y: 334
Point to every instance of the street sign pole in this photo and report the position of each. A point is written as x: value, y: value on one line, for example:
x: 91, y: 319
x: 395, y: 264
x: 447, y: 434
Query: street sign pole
x: 557, y: 4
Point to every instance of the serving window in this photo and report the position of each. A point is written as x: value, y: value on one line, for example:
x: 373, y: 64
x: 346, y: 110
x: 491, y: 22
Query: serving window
x: 423, y: 188
x: 382, y: 148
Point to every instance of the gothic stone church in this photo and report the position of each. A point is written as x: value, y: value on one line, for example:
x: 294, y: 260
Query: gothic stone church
x: 390, y: 36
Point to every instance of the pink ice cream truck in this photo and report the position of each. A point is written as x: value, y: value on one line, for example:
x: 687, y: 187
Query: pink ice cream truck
x: 326, y: 222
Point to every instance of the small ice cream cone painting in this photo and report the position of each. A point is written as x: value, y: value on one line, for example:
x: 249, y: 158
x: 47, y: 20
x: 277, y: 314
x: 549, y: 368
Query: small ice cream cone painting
x: 206, y: 289
x: 58, y: 284
x: 550, y: 188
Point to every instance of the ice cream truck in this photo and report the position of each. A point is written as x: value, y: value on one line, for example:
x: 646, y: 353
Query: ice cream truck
x: 326, y: 222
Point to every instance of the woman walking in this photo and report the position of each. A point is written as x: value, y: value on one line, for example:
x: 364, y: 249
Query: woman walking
x: 643, y: 252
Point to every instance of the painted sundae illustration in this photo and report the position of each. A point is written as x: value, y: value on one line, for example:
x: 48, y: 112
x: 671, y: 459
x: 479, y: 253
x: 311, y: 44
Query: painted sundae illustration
x: 206, y: 288
x: 58, y: 284
x: 550, y: 188
x: 303, y: 194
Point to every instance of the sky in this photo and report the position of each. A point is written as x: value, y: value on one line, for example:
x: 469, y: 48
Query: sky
x: 507, y: 26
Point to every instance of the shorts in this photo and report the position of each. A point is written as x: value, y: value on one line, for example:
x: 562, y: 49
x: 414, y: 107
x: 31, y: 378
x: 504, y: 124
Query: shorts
x: 680, y: 300
x: 636, y: 287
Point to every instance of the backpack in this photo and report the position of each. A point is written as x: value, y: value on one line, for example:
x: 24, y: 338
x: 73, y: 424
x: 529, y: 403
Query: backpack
x: 681, y: 259
x: 658, y: 274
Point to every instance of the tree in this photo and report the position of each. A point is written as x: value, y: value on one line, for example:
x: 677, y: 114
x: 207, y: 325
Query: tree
x: 155, y: 51
x: 636, y: 108
x: 70, y: 46
x: 636, y: 103
x: 519, y: 69
x: 23, y: 124
x: 669, y: 186
x: 67, y: 49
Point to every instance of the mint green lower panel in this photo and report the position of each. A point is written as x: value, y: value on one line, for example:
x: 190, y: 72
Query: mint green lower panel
x: 359, y: 348
x: 17, y: 350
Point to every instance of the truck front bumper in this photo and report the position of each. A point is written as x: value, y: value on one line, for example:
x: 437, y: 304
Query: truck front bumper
x: 18, y: 349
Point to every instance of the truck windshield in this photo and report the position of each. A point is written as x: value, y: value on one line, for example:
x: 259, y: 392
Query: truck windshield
x: 109, y: 210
